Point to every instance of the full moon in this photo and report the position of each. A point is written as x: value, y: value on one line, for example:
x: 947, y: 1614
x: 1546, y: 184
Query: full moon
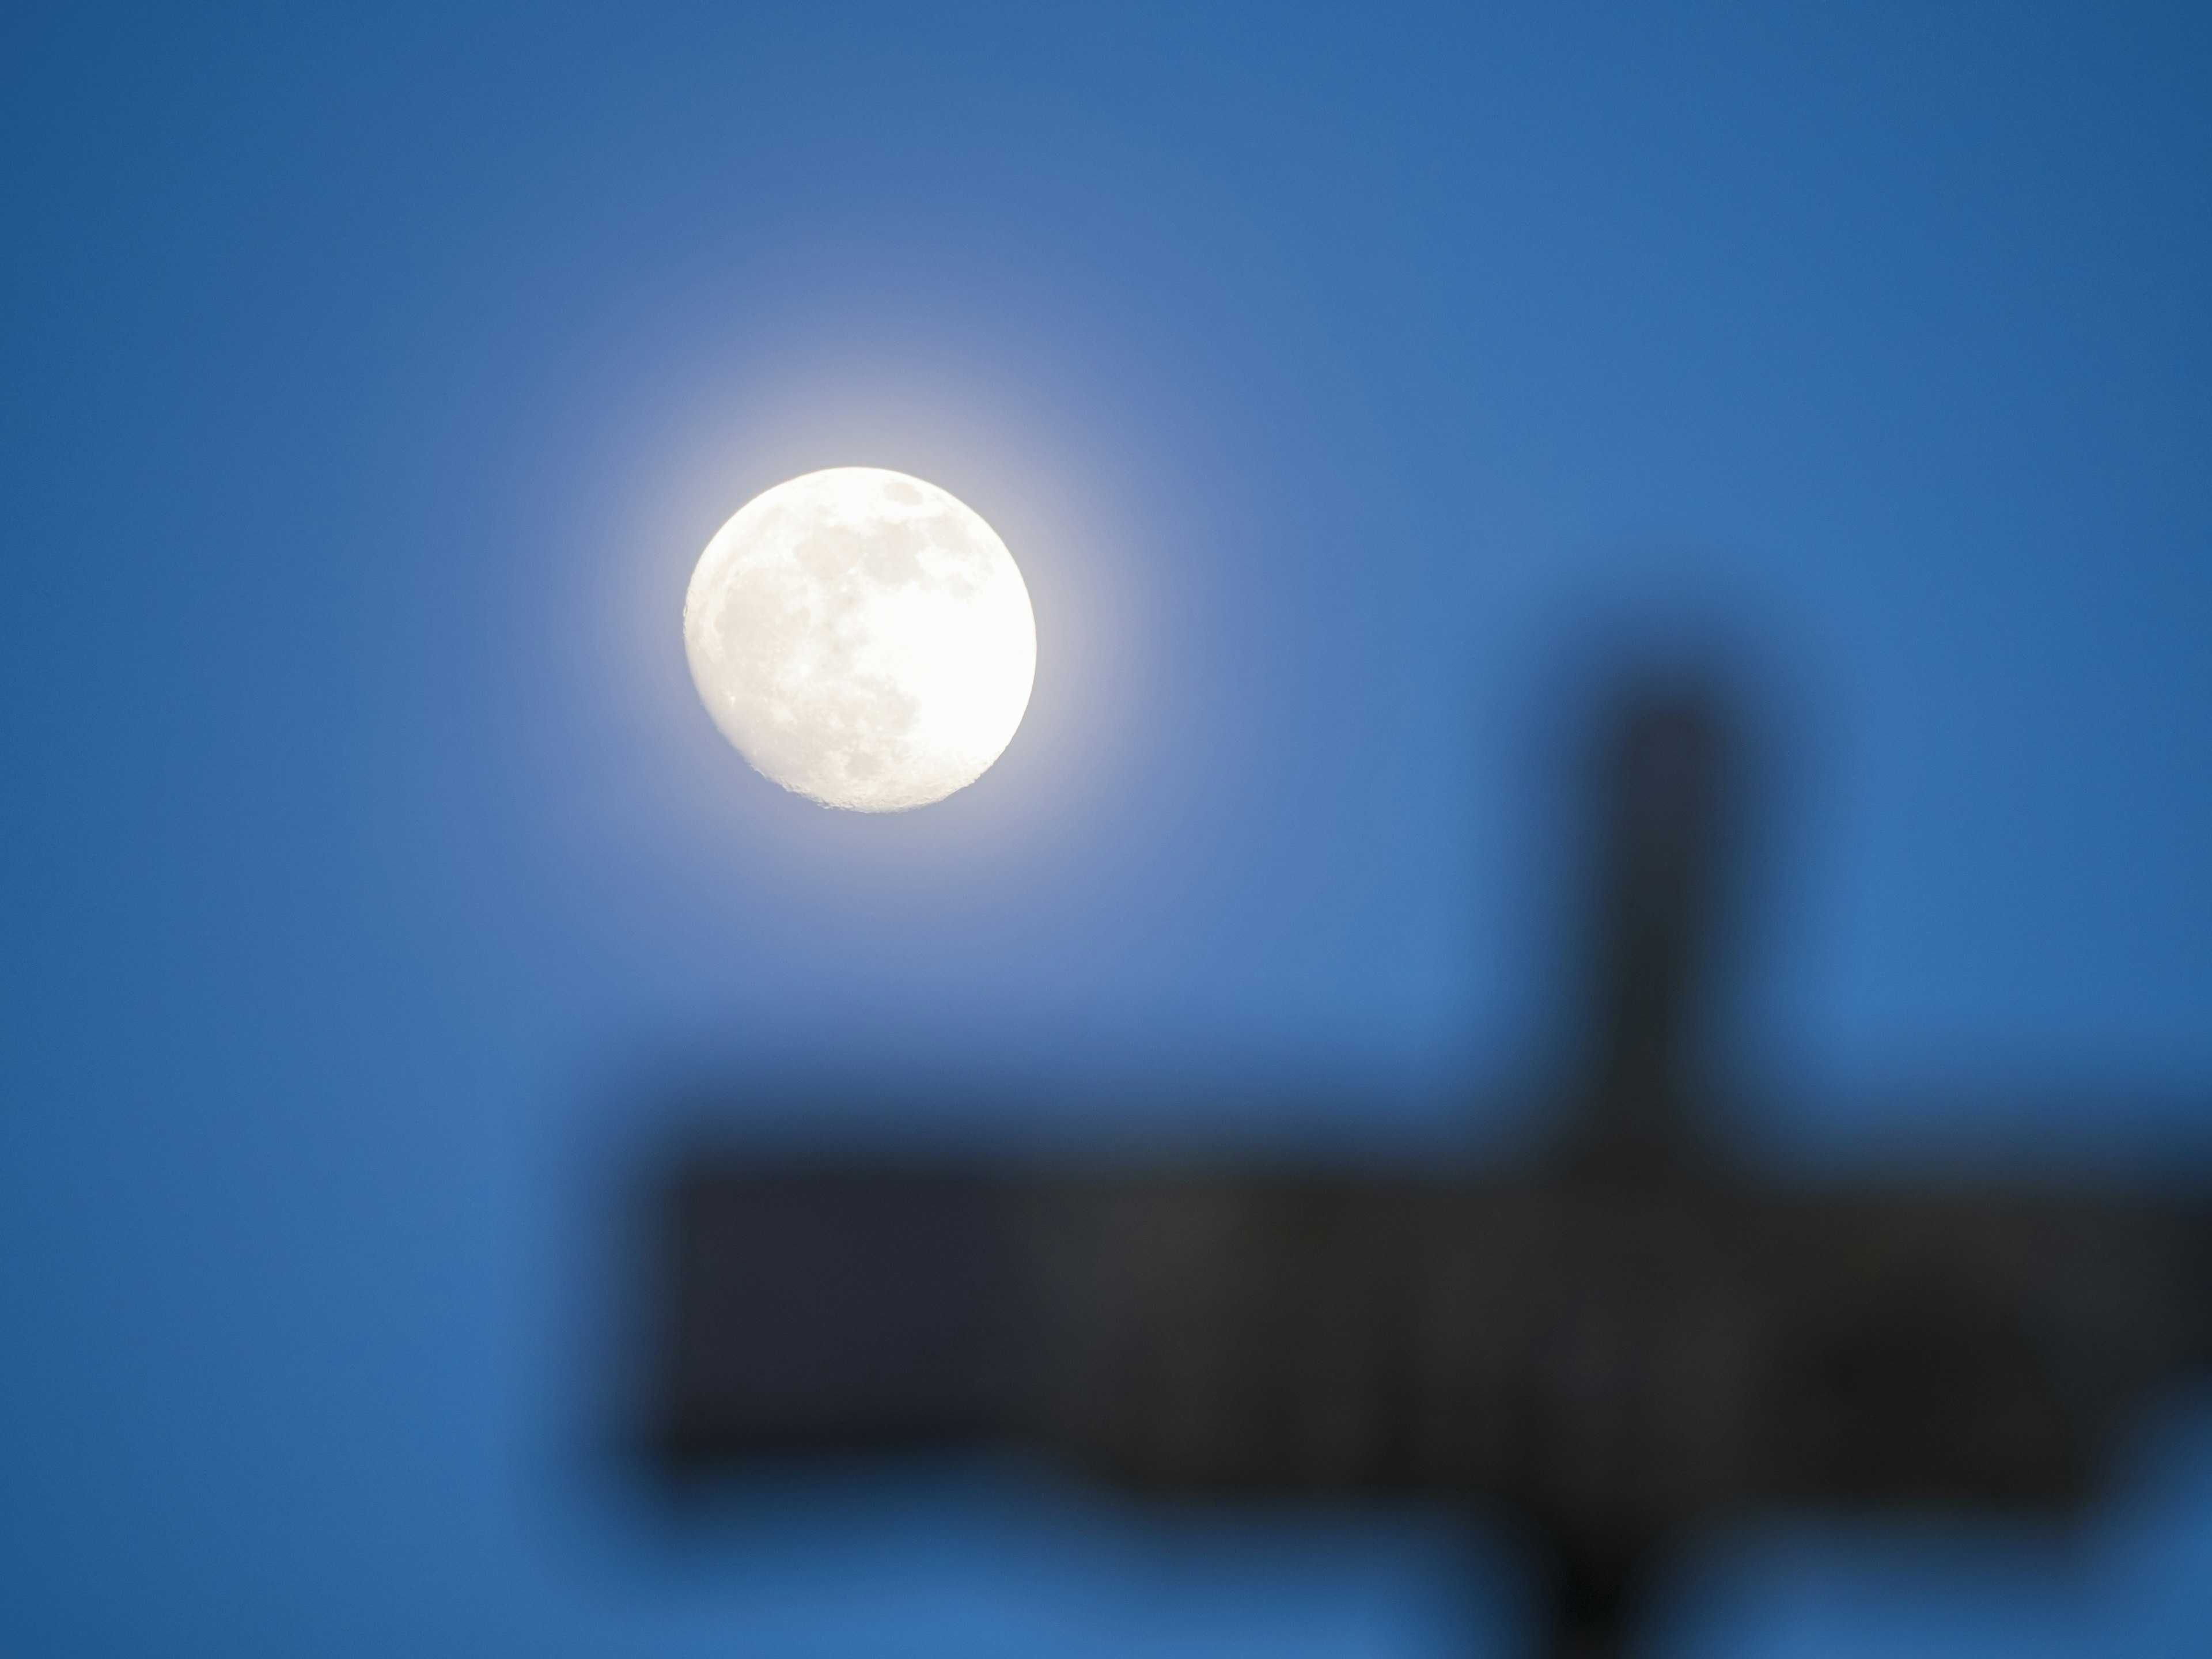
x: 864, y: 638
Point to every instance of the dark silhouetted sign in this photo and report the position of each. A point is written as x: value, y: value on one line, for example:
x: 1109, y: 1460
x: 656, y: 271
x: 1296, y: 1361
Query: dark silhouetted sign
x: 1620, y: 1345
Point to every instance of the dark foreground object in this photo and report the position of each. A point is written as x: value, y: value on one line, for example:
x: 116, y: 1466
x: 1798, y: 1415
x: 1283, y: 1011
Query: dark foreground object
x: 1615, y: 1347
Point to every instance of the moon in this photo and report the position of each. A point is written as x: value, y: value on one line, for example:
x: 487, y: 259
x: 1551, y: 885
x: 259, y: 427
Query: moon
x: 863, y: 638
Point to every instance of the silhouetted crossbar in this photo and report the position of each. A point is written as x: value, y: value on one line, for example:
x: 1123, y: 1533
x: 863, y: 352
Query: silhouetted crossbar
x: 1616, y: 1346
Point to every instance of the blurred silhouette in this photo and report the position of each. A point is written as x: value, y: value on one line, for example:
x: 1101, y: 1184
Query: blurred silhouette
x: 1627, y: 1341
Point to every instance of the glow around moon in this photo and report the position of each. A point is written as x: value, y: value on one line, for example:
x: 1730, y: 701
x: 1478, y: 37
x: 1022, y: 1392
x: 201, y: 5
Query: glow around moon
x: 864, y: 638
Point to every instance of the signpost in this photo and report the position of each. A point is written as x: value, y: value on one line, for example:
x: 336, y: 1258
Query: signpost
x: 1622, y: 1343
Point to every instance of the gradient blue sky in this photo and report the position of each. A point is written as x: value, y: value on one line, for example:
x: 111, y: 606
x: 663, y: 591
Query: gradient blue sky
x: 1352, y: 385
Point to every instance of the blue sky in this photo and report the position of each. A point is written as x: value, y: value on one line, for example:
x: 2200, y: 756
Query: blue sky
x: 1353, y: 386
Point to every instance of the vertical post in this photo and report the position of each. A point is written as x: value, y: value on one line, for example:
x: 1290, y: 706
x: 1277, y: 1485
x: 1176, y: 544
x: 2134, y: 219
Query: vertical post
x: 1593, y: 1600
x: 1592, y: 1424
x: 1662, y: 791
